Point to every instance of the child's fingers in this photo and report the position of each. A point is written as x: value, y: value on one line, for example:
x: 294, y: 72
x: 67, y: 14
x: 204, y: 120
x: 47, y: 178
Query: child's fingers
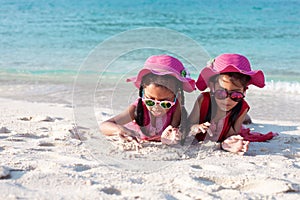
x: 199, y: 128
x: 128, y: 136
x: 245, y: 146
x: 167, y: 131
x: 194, y: 130
x: 210, y: 132
x: 125, y: 138
x: 234, y: 139
x: 169, y: 128
x: 170, y: 136
x: 237, y: 137
x: 230, y: 140
x: 137, y: 144
x: 202, y: 129
x: 207, y: 124
x: 177, y: 134
x: 235, y: 145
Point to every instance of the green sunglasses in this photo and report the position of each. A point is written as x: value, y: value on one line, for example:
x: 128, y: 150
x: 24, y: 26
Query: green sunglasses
x: 164, y: 104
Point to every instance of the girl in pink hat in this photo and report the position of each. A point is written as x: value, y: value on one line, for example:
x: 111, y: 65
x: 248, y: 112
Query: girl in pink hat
x: 218, y: 114
x: 158, y: 112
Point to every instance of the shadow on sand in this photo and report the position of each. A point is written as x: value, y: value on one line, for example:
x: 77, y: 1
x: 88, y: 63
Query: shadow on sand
x: 287, y: 143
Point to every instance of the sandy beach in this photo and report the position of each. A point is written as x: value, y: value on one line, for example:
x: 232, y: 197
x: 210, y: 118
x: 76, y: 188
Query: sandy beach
x: 63, y: 70
x: 42, y: 158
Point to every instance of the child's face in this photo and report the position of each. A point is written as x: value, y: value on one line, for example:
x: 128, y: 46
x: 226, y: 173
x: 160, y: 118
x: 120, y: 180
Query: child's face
x: 224, y: 82
x: 158, y: 93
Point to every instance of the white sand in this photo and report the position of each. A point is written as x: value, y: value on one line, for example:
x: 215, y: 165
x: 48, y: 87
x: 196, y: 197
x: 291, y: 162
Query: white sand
x: 42, y: 159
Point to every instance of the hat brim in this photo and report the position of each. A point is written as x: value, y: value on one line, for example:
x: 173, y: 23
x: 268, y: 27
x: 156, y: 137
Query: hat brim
x: 257, y: 76
x: 188, y: 84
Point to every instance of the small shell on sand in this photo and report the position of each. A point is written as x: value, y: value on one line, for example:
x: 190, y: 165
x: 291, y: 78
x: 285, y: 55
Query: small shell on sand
x: 4, y: 130
x: 4, y: 172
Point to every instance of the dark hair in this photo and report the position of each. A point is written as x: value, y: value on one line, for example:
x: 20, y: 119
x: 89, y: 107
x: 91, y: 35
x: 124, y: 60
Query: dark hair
x: 160, y: 81
x: 237, y: 79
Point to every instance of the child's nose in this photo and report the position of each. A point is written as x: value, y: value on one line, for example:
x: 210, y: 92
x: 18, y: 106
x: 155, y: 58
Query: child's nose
x: 157, y: 106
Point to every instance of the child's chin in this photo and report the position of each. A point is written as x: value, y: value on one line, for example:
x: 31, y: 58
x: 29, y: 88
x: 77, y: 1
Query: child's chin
x: 225, y: 108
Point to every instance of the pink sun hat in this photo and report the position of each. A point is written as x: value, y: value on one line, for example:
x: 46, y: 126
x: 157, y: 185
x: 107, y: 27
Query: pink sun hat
x: 165, y: 65
x: 230, y: 63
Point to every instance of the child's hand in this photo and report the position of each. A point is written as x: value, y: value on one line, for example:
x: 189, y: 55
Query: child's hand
x: 235, y: 144
x: 128, y: 135
x: 201, y: 128
x: 170, y: 135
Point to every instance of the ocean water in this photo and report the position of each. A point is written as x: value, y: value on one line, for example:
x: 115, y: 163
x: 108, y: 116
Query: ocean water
x: 55, y: 36
x: 50, y: 40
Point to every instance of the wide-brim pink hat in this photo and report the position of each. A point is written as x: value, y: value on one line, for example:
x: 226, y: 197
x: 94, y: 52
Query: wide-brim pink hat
x: 165, y: 65
x: 230, y: 63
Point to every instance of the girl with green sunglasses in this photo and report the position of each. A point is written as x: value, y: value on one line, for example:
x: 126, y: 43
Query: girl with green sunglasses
x: 158, y: 114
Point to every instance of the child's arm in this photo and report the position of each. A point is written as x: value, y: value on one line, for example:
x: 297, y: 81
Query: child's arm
x: 171, y: 135
x: 237, y: 125
x: 114, y: 125
x: 195, y: 113
x: 176, y: 118
x: 194, y: 118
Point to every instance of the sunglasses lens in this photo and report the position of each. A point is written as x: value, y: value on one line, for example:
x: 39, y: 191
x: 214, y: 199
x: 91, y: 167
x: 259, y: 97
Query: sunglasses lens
x: 165, y: 104
x: 223, y: 94
x: 220, y: 94
x: 236, y: 96
x: 149, y: 102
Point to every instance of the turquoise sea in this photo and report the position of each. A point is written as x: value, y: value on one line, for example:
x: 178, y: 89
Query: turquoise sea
x: 51, y: 39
